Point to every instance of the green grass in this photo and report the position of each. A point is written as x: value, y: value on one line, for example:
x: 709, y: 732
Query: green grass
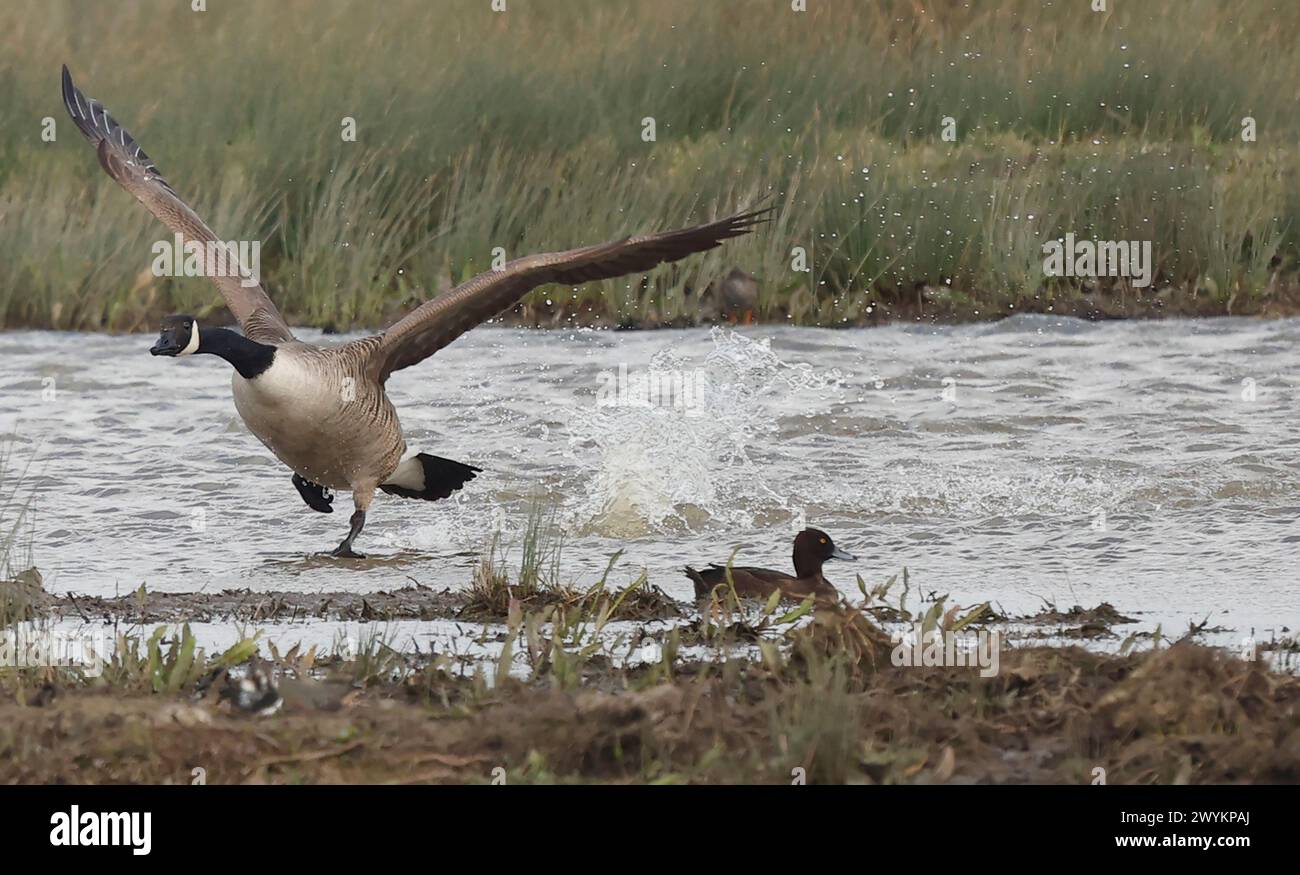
x: 491, y: 591
x: 15, y: 517
x: 523, y: 130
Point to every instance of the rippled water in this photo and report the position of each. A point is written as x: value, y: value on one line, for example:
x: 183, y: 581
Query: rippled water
x: 1149, y: 464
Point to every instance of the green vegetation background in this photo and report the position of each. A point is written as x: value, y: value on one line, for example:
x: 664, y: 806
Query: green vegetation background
x: 523, y: 130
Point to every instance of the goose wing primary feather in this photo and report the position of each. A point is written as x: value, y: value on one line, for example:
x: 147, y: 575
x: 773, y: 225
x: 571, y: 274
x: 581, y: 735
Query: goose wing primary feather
x: 124, y: 160
x: 438, y: 322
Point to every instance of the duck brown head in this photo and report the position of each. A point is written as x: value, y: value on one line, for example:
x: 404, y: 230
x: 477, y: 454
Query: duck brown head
x: 812, y: 547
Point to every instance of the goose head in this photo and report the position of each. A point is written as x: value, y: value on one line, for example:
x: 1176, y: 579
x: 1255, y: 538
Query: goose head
x: 179, y: 335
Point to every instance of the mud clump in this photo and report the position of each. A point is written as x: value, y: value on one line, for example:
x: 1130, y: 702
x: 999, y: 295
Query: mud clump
x: 23, y: 597
x: 1105, y: 614
x: 1085, y: 624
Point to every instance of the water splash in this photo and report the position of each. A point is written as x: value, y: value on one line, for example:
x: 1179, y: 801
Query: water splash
x: 663, y: 466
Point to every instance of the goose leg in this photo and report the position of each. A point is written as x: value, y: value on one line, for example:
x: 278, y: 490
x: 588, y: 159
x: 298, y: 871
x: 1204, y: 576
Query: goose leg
x: 361, y: 498
x: 344, y: 550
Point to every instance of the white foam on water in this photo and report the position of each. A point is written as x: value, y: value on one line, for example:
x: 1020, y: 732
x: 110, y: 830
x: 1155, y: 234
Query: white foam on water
x: 660, y: 467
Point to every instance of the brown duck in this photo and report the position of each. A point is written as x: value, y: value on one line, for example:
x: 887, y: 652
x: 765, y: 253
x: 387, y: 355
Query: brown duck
x: 812, y: 547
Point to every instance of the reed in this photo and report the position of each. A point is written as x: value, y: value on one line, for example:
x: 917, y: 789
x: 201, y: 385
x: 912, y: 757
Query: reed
x: 16, y: 513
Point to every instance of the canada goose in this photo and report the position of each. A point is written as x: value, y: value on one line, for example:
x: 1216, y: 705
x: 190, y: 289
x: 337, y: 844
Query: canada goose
x: 812, y: 547
x: 324, y: 411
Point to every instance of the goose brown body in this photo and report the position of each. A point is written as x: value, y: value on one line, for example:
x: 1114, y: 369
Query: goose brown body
x: 316, y: 411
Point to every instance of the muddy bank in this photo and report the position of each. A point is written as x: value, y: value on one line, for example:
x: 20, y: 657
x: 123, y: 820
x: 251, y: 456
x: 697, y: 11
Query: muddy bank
x: 409, y: 603
x: 24, y: 598
x: 722, y: 697
x: 418, y: 602
x: 1187, y: 714
x: 413, y: 602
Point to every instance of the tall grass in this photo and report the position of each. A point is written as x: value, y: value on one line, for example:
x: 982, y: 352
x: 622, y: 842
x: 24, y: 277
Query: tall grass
x: 523, y: 130
x: 491, y: 591
x: 15, y: 516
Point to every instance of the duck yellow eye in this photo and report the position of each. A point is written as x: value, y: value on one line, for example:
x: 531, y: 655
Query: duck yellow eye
x: 823, y: 540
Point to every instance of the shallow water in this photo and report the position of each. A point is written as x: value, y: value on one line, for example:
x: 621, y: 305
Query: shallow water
x: 1149, y: 464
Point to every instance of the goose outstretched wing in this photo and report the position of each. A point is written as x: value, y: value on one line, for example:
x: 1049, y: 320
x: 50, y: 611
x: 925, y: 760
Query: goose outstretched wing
x: 438, y: 322
x: 124, y: 160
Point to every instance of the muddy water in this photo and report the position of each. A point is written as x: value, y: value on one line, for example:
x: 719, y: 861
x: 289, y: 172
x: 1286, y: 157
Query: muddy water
x: 1152, y: 465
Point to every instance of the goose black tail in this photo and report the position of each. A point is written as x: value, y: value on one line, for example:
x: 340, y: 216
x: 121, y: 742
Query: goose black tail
x: 428, y: 477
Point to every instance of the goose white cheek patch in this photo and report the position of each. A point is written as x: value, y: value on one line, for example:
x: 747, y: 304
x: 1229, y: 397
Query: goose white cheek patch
x: 193, y: 346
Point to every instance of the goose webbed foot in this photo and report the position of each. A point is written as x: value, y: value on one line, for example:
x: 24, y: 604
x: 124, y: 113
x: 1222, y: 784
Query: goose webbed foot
x: 317, y: 496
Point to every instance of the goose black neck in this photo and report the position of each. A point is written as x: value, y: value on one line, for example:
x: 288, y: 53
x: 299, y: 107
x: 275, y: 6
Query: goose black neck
x: 249, y: 357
